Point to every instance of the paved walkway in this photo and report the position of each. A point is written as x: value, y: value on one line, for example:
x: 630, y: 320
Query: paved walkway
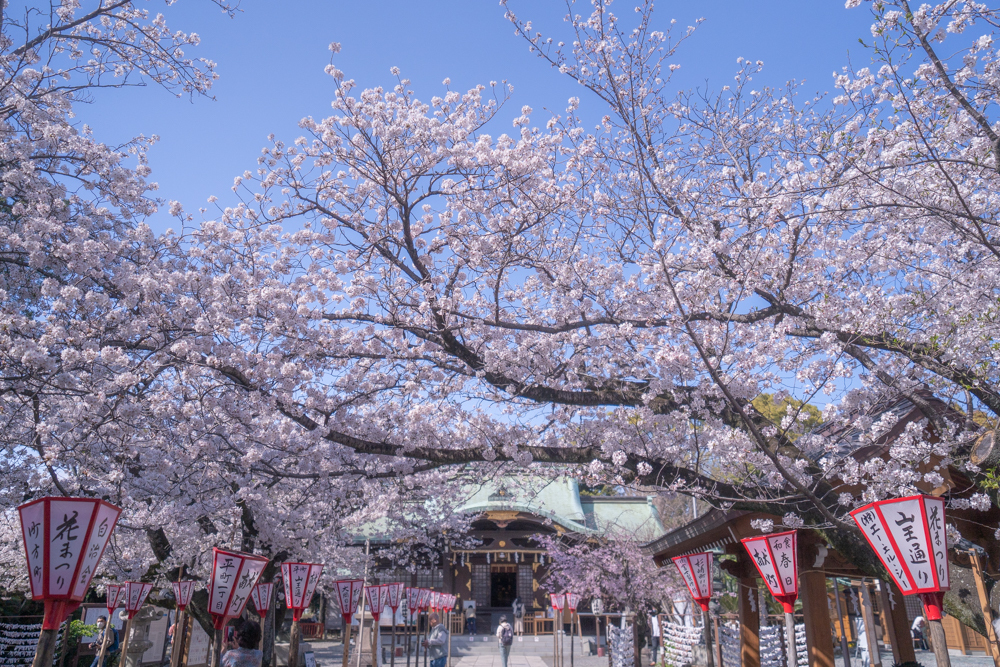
x: 926, y: 658
x: 494, y: 661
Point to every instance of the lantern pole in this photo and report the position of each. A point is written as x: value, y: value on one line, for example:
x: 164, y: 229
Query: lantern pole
x: 293, y: 639
x: 868, y: 615
x: 392, y: 653
x: 427, y: 629
x: 843, y: 630
x: 217, y: 646
x: 55, y: 610
x: 126, y: 631
x: 361, y: 621
x: 790, y: 654
x: 572, y: 613
x: 933, y: 602
x: 104, y: 642
x: 180, y: 624
x: 706, y: 630
x: 408, y: 621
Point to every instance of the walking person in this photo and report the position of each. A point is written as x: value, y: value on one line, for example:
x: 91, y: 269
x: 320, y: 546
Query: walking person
x: 102, y: 634
x: 518, y: 617
x: 654, y: 624
x: 505, y: 637
x: 470, y: 617
x: 437, y: 642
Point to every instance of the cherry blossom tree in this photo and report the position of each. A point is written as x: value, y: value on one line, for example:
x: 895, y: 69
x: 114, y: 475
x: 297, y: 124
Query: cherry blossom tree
x: 415, y: 291
x: 432, y: 293
x: 614, y: 569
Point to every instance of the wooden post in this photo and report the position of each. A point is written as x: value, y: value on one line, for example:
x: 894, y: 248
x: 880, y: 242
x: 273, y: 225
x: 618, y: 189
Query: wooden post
x: 449, y: 638
x: 46, y: 651
x: 607, y: 640
x: 293, y: 644
x: 897, y: 625
x: 939, y: 643
x: 707, y: 631
x: 180, y: 636
x: 791, y: 653
x: 346, y: 636
x: 392, y: 652
x: 984, y: 604
x: 215, y: 655
x: 126, y: 631
x: 749, y: 619
x: 407, y: 622
x: 636, y: 645
x: 869, y: 619
x: 842, y: 616
x: 108, y: 629
x: 718, y: 643
x: 816, y: 616
x: 555, y: 641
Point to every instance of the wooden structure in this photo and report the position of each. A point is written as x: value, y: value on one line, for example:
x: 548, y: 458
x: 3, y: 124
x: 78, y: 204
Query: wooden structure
x: 722, y: 531
x: 509, y: 513
x: 819, y: 563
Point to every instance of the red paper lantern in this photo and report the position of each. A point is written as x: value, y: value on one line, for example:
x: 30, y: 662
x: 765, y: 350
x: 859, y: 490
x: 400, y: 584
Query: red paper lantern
x: 412, y: 600
x: 300, y: 584
x: 425, y: 599
x: 395, y: 596
x: 348, y: 594
x: 774, y: 556
x: 135, y: 596
x: 64, y: 539
x: 909, y: 536
x: 261, y: 597
x: 696, y: 570
x: 115, y: 595
x: 234, y: 576
x: 372, y: 598
x: 572, y: 601
x: 183, y: 590
x: 557, y: 601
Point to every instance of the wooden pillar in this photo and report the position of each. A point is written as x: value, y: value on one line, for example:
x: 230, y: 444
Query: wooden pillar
x: 959, y: 631
x: 897, y: 624
x: 816, y: 615
x: 749, y: 618
x: 984, y: 603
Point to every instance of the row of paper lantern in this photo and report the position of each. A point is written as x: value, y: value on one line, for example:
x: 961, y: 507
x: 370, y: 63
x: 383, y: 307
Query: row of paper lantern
x: 64, y: 539
x: 908, y: 535
x: 380, y: 596
x: 133, y: 594
x: 564, y: 601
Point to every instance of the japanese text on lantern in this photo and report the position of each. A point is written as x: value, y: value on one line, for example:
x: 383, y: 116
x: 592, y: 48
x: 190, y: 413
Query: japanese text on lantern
x: 33, y: 522
x: 871, y: 526
x: 761, y: 555
x: 906, y: 526
x: 69, y: 521
x: 106, y: 515
x: 247, y: 580
x: 784, y: 560
x: 939, y: 538
x: 225, y: 573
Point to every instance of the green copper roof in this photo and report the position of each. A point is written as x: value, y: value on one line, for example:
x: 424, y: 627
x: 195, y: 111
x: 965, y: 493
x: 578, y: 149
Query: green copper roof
x: 560, y: 500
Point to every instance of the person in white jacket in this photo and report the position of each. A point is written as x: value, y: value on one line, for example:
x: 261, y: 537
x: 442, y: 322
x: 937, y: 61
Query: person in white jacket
x: 437, y: 642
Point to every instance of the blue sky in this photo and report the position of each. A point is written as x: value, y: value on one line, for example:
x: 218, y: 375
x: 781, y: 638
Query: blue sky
x: 272, y: 54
